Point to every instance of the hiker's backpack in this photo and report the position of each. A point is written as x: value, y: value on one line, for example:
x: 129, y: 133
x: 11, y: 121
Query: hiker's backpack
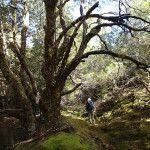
x: 89, y: 106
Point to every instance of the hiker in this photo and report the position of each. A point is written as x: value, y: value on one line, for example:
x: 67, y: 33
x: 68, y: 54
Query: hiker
x: 90, y: 110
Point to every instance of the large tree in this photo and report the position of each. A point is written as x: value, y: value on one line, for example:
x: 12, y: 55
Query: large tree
x: 59, y: 42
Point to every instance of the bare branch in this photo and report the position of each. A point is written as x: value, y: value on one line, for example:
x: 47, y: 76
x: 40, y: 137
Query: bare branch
x: 116, y: 21
x: 104, y: 42
x: 85, y: 41
x: 9, y: 111
x: 15, y: 49
x: 120, y: 25
x: 65, y: 2
x: 132, y: 82
x: 75, y: 62
x: 64, y: 61
x: 45, y: 133
x: 119, y: 7
x: 134, y: 29
x: 71, y: 79
x: 118, y: 18
x: 19, y: 9
x: 70, y: 91
x: 62, y: 21
x: 139, y: 64
x: 82, y: 19
x: 85, y: 26
x: 109, y: 18
x: 86, y: 16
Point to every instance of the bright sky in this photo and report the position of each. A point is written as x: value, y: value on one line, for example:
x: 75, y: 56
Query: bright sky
x: 105, y: 8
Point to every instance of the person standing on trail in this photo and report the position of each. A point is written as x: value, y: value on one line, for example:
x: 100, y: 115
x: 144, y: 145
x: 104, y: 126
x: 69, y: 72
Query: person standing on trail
x: 90, y: 110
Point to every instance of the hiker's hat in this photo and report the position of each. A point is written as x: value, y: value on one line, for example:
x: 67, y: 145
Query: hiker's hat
x: 89, y: 99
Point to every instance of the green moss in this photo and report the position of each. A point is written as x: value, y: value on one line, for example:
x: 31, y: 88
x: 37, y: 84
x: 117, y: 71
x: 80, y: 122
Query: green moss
x: 61, y: 141
x: 49, y: 52
x: 127, y: 130
x: 81, y: 139
x: 65, y: 141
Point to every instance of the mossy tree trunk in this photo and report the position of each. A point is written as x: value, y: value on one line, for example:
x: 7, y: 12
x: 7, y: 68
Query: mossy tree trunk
x: 50, y: 107
x: 20, y: 96
x: 50, y: 97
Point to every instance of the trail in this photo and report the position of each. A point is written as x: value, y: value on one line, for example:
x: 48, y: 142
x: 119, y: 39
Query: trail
x: 131, y: 134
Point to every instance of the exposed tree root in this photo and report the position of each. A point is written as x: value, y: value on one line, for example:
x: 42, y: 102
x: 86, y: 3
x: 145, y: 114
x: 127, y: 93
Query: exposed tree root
x: 67, y: 128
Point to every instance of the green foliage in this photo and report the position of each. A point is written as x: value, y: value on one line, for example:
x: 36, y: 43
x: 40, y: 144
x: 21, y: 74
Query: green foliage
x: 3, y: 10
x: 35, y: 60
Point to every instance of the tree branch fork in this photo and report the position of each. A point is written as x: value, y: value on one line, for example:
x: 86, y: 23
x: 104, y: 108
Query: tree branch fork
x: 122, y: 56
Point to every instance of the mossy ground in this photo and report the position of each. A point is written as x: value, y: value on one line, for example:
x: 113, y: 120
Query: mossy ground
x: 85, y: 137
x: 129, y: 130
x: 128, y: 126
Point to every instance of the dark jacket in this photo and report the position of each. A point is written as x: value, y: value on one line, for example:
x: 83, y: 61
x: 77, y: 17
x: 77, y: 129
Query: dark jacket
x: 89, y: 106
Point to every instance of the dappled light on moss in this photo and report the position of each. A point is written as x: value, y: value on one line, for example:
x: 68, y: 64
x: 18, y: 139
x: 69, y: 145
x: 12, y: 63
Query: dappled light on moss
x: 64, y: 141
x: 85, y: 137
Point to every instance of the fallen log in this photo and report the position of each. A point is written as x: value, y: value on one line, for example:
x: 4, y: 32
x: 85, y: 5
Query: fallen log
x: 10, y: 110
x: 67, y: 128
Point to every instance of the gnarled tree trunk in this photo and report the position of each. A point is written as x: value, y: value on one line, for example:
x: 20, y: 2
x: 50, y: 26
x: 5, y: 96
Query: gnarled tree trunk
x: 50, y: 107
x: 20, y: 96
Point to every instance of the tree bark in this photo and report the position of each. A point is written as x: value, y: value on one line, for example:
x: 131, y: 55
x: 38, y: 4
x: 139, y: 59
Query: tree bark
x: 20, y: 97
x: 50, y: 107
x: 51, y: 95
